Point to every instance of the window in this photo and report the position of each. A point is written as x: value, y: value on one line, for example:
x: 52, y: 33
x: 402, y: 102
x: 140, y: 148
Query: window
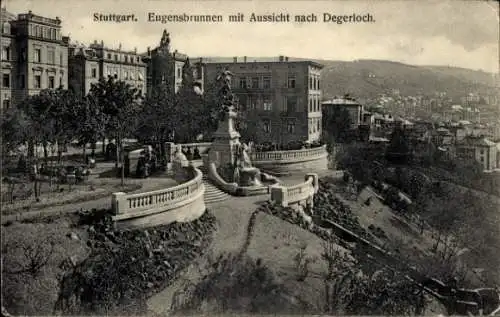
x: 268, y: 106
x: 125, y: 74
x: 132, y: 76
x: 116, y: 57
x: 126, y: 59
x: 267, y: 126
x: 36, y: 30
x: 61, y: 59
x: 22, y: 82
x: 137, y: 59
x: 267, y: 82
x: 6, y: 104
x: 318, y: 125
x: 291, y: 104
x: 139, y: 75
x: 290, y: 127
x: 291, y: 81
x: 61, y: 82
x: 6, y: 81
x: 311, y: 83
x: 51, y: 56
x: 37, y: 81
x: 317, y: 84
x: 255, y: 82
x: 38, y: 55
x: 109, y: 56
x: 51, y: 82
x: 179, y: 73
x: 94, y: 73
x: 482, y: 151
x: 5, y: 53
x: 243, y: 82
x: 310, y: 104
x: 242, y: 101
x: 23, y: 54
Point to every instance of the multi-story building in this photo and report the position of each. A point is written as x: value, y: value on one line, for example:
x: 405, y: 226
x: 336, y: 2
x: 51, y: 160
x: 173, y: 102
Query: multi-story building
x: 167, y: 67
x: 354, y: 108
x: 88, y: 64
x: 479, y: 149
x: 281, y: 97
x: 34, y: 56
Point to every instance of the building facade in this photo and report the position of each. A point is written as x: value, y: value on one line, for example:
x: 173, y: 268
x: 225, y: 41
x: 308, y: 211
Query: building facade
x: 479, y: 149
x: 88, y: 64
x: 165, y: 67
x: 34, y: 56
x: 282, y: 98
x: 354, y: 108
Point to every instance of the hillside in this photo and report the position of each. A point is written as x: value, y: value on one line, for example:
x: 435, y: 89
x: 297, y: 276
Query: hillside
x: 368, y: 78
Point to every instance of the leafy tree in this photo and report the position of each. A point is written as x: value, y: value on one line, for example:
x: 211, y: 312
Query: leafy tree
x: 88, y: 121
x: 120, y: 105
x: 158, y: 118
x: 15, y: 126
x: 337, y: 124
x: 398, y: 151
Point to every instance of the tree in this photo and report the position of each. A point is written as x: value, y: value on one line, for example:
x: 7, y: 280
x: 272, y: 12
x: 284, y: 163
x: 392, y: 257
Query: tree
x: 398, y: 151
x: 15, y: 126
x: 88, y: 121
x: 120, y: 105
x: 189, y: 107
x: 337, y: 124
x: 158, y: 118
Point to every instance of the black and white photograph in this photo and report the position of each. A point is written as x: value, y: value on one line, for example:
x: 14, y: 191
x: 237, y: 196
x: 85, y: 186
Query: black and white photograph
x: 250, y: 157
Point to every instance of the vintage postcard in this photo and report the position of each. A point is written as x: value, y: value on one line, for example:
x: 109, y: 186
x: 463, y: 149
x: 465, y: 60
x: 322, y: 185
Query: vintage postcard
x: 250, y: 157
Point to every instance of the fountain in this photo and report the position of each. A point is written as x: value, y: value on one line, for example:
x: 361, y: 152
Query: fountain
x: 227, y: 153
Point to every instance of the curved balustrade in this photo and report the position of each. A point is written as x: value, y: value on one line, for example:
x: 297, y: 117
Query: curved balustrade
x: 286, y: 195
x: 184, y: 201
x: 290, y: 156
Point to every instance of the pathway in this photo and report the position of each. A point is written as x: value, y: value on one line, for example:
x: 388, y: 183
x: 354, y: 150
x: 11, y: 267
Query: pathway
x: 153, y: 183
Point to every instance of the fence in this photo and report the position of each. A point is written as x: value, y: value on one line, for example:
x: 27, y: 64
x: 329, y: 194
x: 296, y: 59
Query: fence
x: 286, y: 195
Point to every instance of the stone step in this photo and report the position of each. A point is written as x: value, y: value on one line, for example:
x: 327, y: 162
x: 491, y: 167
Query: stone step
x: 213, y: 194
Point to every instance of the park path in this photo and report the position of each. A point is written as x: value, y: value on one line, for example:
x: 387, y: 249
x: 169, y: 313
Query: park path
x: 233, y: 219
x: 150, y: 184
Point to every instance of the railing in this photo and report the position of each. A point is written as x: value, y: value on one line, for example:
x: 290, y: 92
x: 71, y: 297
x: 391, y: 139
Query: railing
x: 158, y: 200
x: 290, y: 155
x: 286, y: 195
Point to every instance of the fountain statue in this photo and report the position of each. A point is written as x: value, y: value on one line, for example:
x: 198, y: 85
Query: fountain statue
x: 230, y: 156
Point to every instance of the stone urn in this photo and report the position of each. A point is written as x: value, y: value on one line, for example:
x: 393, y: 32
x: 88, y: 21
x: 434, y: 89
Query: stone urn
x: 249, y: 176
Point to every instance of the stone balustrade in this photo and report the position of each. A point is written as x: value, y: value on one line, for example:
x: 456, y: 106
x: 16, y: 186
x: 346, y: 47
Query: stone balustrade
x: 289, y: 156
x: 287, y: 195
x: 180, y: 203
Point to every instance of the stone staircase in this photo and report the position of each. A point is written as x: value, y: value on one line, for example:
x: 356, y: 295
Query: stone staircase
x: 212, y: 193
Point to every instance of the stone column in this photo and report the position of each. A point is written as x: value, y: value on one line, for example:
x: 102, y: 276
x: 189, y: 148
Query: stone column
x: 119, y: 203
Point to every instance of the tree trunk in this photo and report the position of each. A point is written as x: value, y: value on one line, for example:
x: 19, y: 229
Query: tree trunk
x: 122, y: 157
x: 84, y: 154
x: 45, y: 153
x: 104, y: 146
x: 118, y: 144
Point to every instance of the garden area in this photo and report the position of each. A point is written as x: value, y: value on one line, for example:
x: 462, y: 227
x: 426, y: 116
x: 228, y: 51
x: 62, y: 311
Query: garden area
x: 78, y: 264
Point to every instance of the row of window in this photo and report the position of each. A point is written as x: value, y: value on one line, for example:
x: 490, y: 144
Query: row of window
x: 290, y: 126
x: 314, y: 103
x: 123, y: 58
x: 255, y: 82
x: 314, y: 125
x: 125, y: 74
x: 265, y: 103
x: 50, y: 83
x: 37, y: 81
x: 44, y: 32
x: 50, y: 57
x: 314, y: 82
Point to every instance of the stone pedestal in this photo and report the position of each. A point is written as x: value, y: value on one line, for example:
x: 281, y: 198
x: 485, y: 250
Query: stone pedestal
x: 250, y: 176
x: 226, y: 141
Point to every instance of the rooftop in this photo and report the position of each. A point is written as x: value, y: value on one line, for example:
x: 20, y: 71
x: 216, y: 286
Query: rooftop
x: 270, y: 60
x: 341, y: 101
x: 477, y: 141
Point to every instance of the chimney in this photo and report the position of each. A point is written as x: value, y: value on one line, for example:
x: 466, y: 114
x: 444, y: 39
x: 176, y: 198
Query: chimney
x: 286, y: 59
x: 235, y: 59
x: 244, y: 59
x: 149, y: 50
x: 95, y: 41
x: 281, y: 58
x: 102, y: 43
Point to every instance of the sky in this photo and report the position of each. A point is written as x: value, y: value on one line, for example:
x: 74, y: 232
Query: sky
x: 451, y: 33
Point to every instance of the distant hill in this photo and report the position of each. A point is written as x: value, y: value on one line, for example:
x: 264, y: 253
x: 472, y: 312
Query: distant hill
x: 368, y: 78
